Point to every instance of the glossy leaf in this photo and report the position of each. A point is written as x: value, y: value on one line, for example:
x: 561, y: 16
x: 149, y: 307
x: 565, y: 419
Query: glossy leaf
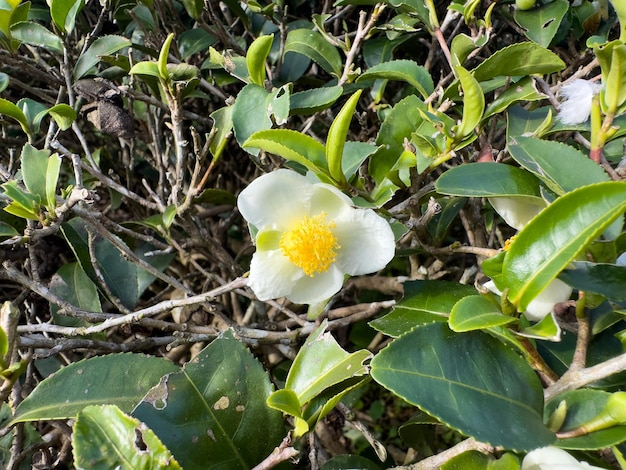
x: 523, y: 91
x: 554, y: 238
x: 292, y: 146
x: 473, y: 104
x: 336, y: 139
x: 72, y: 284
x: 64, y: 13
x: 562, y: 168
x: 488, y: 180
x: 541, y: 24
x: 13, y: 111
x: 322, y: 363
x: 63, y: 114
x: 116, y: 379
x: 469, y: 381
x: 24, y: 204
x: 164, y: 53
x: 476, y: 312
x: 314, y: 100
x: 29, y: 32
x: 607, y: 280
x: 403, y: 70
x: 521, y: 122
x: 255, y: 58
x: 104, y: 45
x: 582, y: 406
x: 104, y: 437
x: 525, y: 58
x: 313, y: 45
x: 34, y: 170
x: 423, y: 302
x: 146, y: 67
x: 213, y: 414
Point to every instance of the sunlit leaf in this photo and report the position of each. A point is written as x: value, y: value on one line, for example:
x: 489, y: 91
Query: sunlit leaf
x: 313, y: 45
x: 403, y: 70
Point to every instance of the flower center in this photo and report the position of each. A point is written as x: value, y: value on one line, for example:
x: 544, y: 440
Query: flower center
x: 311, y: 244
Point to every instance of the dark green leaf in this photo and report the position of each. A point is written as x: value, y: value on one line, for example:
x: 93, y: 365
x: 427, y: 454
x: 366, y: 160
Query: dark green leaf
x: 314, y: 100
x: 116, y: 379
x: 34, y: 34
x: 104, y: 45
x: 525, y: 58
x: 541, y: 24
x: 313, y: 45
x: 213, y: 414
x: 607, y: 280
x: 250, y: 112
x: 193, y: 41
x: 470, y: 381
x: 488, y: 180
x: 423, y: 302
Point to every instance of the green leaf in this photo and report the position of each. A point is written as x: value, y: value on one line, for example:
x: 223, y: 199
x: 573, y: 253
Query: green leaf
x: 541, y: 24
x: 64, y: 13
x: 194, y: 41
x: 52, y: 177
x: 25, y: 205
x: 194, y: 8
x: 63, y: 114
x: 470, y: 381
x: 313, y: 45
x: 314, y: 100
x: 29, y: 32
x: 354, y: 154
x: 217, y: 402
x: 116, y: 379
x: 71, y: 284
x: 488, y: 180
x: 403, y: 120
x: 423, y: 302
x: 322, y: 363
x: 256, y: 56
x: 519, y: 59
x: 7, y: 231
x: 13, y: 111
x: 556, y: 236
x: 476, y: 312
x: 34, y: 171
x: 473, y: 104
x: 147, y: 67
x: 104, y: 45
x: 475, y: 460
x: 336, y: 139
x: 4, y: 81
x: 346, y: 462
x: 250, y: 112
x: 562, y: 168
x: 164, y: 53
x: 582, y: 406
x: 285, y: 400
x: 521, y: 122
x: 292, y: 146
x: 104, y: 437
x: 525, y: 90
x: 605, y: 279
x: 403, y: 70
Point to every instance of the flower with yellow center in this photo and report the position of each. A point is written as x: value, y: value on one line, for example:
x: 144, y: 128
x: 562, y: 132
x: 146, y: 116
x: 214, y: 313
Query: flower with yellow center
x: 308, y: 237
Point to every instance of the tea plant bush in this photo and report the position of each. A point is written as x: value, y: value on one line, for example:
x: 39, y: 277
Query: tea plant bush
x: 312, y: 234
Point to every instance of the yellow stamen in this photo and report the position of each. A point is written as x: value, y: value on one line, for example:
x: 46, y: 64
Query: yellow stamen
x: 507, y: 243
x: 311, y: 244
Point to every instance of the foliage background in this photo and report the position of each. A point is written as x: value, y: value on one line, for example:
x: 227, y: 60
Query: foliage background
x: 128, y: 129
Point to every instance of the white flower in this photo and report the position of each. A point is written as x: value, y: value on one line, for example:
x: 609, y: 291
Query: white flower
x: 543, y: 304
x: 517, y: 211
x: 578, y: 95
x: 308, y: 236
x: 553, y: 458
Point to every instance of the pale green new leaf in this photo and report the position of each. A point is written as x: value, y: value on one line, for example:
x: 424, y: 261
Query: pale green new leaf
x: 476, y: 312
x: 404, y: 70
x: 255, y: 58
x: 473, y: 104
x: 63, y: 13
x: 336, y: 139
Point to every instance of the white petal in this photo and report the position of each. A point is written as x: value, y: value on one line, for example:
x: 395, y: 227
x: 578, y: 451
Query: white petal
x: 491, y: 287
x: 310, y: 290
x: 552, y: 458
x: 328, y: 199
x: 275, y: 199
x: 557, y: 291
x: 621, y: 259
x: 272, y: 275
x: 366, y: 242
x: 517, y: 211
x: 578, y: 95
